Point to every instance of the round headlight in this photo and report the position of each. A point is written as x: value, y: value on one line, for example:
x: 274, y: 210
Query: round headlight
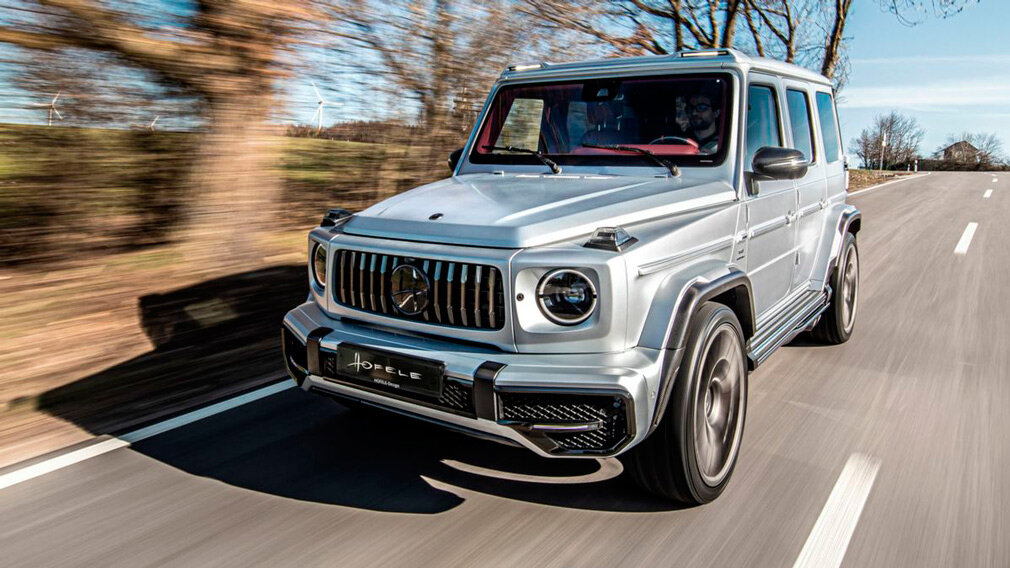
x: 566, y: 296
x: 319, y: 265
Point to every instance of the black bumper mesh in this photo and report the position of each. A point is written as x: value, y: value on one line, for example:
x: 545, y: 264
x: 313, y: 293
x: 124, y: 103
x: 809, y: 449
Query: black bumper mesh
x: 563, y: 408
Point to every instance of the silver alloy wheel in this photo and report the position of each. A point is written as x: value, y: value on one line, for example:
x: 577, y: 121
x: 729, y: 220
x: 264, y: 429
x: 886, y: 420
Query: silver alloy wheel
x: 718, y: 418
x: 850, y: 289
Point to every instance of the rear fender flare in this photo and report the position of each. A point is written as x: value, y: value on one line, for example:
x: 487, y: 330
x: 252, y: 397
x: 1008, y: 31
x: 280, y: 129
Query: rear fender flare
x: 849, y: 221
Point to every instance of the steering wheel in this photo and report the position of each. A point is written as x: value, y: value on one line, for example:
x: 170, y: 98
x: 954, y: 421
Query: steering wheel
x: 675, y: 140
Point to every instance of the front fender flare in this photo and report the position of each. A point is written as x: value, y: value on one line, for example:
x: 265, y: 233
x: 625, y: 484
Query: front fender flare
x: 729, y: 282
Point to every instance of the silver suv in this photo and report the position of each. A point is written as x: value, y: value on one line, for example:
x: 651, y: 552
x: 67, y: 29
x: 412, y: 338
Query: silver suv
x: 621, y: 241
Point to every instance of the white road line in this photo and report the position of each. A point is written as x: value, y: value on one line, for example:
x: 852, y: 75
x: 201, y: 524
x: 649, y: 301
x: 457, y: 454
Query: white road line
x: 59, y: 462
x: 987, y: 194
x: 880, y: 185
x: 190, y: 417
x: 829, y: 539
x: 966, y: 236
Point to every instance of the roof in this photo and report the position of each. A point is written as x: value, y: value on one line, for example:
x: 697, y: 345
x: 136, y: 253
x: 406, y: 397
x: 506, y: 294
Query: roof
x: 676, y: 61
x: 962, y: 145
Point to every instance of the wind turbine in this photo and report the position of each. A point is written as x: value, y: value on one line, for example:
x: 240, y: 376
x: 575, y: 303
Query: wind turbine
x: 52, y: 107
x: 318, y: 115
x: 149, y: 127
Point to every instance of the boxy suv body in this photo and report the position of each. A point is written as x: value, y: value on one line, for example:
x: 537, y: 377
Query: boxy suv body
x: 621, y: 241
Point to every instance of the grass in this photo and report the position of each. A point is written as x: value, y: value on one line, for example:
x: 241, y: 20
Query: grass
x: 861, y: 179
x: 123, y: 189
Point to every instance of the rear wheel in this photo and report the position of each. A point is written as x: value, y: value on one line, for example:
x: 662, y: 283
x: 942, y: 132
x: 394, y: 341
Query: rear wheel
x: 691, y: 455
x: 838, y: 321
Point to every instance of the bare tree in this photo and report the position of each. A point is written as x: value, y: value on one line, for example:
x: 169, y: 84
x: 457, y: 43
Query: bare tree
x: 442, y: 55
x: 912, y: 12
x: 807, y: 32
x: 903, y: 138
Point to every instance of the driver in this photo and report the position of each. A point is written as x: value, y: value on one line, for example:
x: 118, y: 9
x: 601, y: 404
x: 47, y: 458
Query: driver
x: 702, y: 113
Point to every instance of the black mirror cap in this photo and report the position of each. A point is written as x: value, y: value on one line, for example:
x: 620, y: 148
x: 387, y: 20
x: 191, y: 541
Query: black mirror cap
x: 780, y: 163
x: 454, y: 159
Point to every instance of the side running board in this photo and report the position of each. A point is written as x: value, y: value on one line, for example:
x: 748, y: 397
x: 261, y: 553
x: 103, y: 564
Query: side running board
x: 793, y: 320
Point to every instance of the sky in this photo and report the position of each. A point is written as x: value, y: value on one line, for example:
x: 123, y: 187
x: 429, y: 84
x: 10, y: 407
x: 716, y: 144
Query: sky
x: 949, y: 74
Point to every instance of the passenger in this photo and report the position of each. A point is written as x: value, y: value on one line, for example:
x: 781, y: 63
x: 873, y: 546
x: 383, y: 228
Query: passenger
x: 702, y: 112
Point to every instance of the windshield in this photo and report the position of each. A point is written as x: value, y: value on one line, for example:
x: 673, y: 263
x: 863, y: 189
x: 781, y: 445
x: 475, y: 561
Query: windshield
x: 681, y: 118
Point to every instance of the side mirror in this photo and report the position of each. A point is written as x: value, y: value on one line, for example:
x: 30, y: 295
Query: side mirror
x: 454, y: 159
x: 780, y: 163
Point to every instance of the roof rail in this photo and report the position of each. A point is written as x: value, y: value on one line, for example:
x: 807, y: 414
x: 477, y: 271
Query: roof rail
x: 528, y: 67
x: 704, y: 53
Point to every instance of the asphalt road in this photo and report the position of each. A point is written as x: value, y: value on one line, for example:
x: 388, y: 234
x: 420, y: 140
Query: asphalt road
x: 922, y: 392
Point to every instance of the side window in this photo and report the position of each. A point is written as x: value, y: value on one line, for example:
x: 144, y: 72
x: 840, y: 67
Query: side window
x: 829, y: 127
x: 799, y: 122
x: 762, y: 121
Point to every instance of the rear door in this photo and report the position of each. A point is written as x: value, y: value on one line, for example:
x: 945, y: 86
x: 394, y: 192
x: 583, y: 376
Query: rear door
x: 834, y: 165
x: 811, y: 198
x: 831, y: 158
x: 770, y: 203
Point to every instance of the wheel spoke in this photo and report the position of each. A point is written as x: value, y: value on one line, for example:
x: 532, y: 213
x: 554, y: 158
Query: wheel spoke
x: 713, y: 465
x: 719, y: 404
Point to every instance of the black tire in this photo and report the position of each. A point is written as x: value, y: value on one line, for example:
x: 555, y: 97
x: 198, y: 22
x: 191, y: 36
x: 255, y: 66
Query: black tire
x: 837, y: 322
x: 667, y: 462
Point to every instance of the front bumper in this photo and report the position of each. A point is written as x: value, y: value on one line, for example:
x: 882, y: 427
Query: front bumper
x: 587, y: 404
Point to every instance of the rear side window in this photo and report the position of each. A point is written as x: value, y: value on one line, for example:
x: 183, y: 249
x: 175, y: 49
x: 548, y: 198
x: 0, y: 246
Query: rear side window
x: 829, y: 127
x: 799, y: 122
x: 762, y: 120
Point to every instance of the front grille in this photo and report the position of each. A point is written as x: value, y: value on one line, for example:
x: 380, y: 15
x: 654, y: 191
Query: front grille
x: 563, y: 408
x: 460, y: 294
x: 456, y: 395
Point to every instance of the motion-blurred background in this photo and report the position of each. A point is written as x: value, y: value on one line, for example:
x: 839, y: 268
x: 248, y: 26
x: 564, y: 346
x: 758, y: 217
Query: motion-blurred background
x: 161, y: 160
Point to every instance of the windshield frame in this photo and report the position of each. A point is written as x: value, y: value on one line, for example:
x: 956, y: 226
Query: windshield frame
x: 628, y: 159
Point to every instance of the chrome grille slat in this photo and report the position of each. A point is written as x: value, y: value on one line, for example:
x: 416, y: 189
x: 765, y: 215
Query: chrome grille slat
x: 490, y: 297
x: 461, y: 294
x: 438, y: 278
x: 351, y: 278
x: 448, y: 292
x: 382, y: 285
x: 361, y: 279
x: 428, y: 309
x: 371, y: 280
x: 339, y: 269
x: 476, y: 297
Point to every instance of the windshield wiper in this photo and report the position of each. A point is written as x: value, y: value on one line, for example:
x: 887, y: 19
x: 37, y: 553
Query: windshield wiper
x: 547, y: 161
x: 674, y: 170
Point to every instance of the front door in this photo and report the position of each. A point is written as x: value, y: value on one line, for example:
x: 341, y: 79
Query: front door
x: 771, y: 204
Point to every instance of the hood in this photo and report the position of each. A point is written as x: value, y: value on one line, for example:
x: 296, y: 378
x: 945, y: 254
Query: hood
x: 524, y: 210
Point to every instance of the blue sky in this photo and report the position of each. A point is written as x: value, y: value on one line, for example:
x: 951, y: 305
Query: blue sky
x: 950, y: 74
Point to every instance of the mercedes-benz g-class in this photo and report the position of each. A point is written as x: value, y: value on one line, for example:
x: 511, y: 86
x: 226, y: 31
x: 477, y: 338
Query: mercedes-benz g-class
x: 620, y: 243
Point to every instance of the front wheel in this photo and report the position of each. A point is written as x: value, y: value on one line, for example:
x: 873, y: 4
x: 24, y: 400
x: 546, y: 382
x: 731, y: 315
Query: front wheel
x: 838, y: 320
x: 691, y: 455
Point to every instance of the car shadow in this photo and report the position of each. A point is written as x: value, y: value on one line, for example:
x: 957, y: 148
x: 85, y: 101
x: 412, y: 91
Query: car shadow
x: 210, y: 339
x: 300, y: 446
x: 222, y: 336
